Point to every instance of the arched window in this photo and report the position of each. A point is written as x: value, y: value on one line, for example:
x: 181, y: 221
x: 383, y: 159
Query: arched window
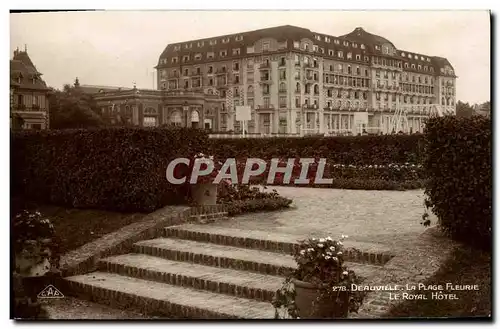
x: 175, y: 118
x: 316, y: 89
x: 282, y: 86
x: 195, y: 116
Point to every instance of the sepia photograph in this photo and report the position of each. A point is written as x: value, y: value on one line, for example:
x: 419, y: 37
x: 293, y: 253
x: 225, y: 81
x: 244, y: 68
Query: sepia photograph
x: 250, y: 164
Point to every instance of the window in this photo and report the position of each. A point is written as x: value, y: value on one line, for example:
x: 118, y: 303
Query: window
x: 297, y: 87
x: 210, y: 55
x: 250, y: 77
x: 236, y: 51
x: 322, y: 50
x: 175, y: 59
x: 282, y: 61
x: 282, y: 74
x: 327, y: 39
x: 337, y: 42
x: 297, y: 101
x: 282, y: 101
x: 413, y: 66
x: 210, y: 82
x: 349, y: 55
x: 315, y: 48
x: 346, y: 43
x: 349, y: 69
x: 358, y: 70
x: 223, y: 53
x: 210, y: 69
x: 265, y: 46
x: 409, y: 56
x: 213, y: 42
x: 340, y: 54
x: 197, y: 57
x: 358, y: 57
x: 377, y: 47
x: 340, y: 68
x: 225, y: 40
x: 406, y: 65
x: 426, y: 68
x: 355, y: 45
x: 306, y: 47
x: 177, y: 48
x: 185, y: 58
x: 367, y: 59
x: 186, y: 72
x: 236, y: 79
x: 201, y: 44
x: 420, y: 67
x: 330, y: 52
x: 239, y: 38
x: 362, y: 46
x: 250, y: 50
x: 296, y: 44
x: 236, y: 66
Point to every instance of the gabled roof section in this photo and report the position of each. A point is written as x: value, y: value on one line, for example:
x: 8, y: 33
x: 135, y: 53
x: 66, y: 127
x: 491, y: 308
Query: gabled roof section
x: 361, y: 36
x: 23, y: 73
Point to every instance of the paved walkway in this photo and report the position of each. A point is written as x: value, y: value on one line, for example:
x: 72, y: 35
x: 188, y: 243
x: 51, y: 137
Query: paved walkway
x: 386, y: 217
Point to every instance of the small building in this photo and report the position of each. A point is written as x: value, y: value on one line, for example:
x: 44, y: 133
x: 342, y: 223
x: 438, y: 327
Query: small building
x: 29, y: 94
x: 151, y: 108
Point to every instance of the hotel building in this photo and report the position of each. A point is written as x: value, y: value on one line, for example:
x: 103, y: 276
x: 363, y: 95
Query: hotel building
x: 301, y: 82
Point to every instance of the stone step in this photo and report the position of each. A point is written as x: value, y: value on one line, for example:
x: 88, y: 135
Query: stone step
x: 152, y: 297
x: 215, y: 255
x: 360, y: 252
x: 215, y: 279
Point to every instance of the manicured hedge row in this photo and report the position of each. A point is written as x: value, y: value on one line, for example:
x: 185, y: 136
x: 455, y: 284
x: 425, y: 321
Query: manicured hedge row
x: 119, y: 169
x: 354, y: 150
x: 459, y: 188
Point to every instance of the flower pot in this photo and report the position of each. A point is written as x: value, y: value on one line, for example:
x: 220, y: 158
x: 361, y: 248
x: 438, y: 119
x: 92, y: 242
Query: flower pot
x: 333, y: 305
x: 204, y: 194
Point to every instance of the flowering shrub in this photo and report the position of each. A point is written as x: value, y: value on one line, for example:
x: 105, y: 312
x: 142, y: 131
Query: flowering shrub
x: 244, y: 198
x: 320, y: 262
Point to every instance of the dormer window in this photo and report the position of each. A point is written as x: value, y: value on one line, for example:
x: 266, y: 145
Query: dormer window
x: 318, y: 37
x: 330, y: 52
x: 177, y: 48
x: 201, y: 44
x: 362, y: 46
x: 358, y: 57
x: 355, y: 45
x: 413, y: 66
x: 315, y: 48
x: 409, y: 56
x: 327, y: 39
x: 346, y: 43
x: 175, y: 60
x: 428, y: 59
x: 425, y: 68
x: 265, y: 46
x: 402, y: 54
x: 238, y: 38
x: 422, y: 58
x: 225, y: 40
x: 185, y: 58
x: 337, y: 42
x: 213, y: 42
x: 188, y: 45
x: 420, y: 67
x: 223, y: 53
x: 377, y: 47
x: 406, y: 65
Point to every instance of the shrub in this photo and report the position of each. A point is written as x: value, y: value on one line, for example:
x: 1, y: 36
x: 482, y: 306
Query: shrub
x: 244, y: 199
x: 354, y: 150
x: 119, y: 169
x: 458, y: 164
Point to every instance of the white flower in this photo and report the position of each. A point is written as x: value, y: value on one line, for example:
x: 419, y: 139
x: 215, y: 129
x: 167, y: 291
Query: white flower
x: 314, y: 239
x: 302, y: 252
x: 345, y: 273
x: 340, y: 243
x: 332, y: 248
x: 321, y: 240
x: 327, y: 257
x: 320, y: 245
x: 328, y: 253
x: 339, y: 253
x: 329, y: 238
x: 335, y: 258
x: 310, y: 249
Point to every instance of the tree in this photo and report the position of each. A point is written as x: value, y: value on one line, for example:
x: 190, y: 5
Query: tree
x: 70, y: 108
x: 464, y: 110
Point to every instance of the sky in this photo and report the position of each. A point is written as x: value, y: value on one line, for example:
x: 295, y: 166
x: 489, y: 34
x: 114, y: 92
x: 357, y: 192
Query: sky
x: 118, y: 48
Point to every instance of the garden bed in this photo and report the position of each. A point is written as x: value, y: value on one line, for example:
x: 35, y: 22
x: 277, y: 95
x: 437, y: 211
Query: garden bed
x: 76, y: 227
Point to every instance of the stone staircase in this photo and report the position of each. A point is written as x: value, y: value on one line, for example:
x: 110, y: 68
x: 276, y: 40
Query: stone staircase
x: 201, y: 271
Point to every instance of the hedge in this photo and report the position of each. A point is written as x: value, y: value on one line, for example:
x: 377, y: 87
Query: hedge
x: 459, y: 185
x: 354, y: 150
x: 121, y: 169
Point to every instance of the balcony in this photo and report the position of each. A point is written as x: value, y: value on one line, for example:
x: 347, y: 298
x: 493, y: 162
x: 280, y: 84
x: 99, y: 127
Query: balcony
x: 173, y: 75
x: 311, y: 79
x: 221, y: 71
x: 282, y: 91
x: 265, y: 66
x: 310, y: 106
x: 265, y: 79
x: 265, y: 107
x: 195, y: 74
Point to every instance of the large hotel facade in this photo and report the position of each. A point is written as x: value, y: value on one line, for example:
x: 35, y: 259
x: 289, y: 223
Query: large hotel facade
x: 295, y: 81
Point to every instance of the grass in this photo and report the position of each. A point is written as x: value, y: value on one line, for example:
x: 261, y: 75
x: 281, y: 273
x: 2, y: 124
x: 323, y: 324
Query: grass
x: 466, y: 267
x: 76, y: 227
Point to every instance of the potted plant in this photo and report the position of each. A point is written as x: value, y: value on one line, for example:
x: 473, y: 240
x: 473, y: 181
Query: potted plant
x: 204, y: 191
x: 320, y: 286
x: 36, y: 261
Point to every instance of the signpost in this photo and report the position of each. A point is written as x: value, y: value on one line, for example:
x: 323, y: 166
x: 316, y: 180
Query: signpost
x: 243, y: 114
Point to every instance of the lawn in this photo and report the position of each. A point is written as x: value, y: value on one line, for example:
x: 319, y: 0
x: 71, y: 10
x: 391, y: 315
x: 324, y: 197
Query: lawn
x: 76, y: 227
x: 466, y: 267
